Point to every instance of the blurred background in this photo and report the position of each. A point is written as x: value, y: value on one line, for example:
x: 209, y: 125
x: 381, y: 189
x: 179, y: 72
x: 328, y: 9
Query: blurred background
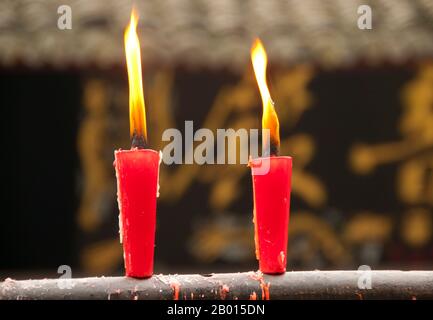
x: 355, y: 109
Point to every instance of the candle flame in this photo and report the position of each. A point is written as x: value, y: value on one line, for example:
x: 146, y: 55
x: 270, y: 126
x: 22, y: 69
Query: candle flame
x: 137, y: 112
x: 269, y: 118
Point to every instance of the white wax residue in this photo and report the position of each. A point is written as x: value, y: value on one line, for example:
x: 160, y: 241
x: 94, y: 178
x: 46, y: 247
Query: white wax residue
x: 120, y: 207
x: 157, y: 179
x: 120, y: 228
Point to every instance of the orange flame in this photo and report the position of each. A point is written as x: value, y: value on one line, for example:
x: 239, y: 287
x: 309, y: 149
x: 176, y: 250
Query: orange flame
x: 137, y: 112
x: 269, y: 118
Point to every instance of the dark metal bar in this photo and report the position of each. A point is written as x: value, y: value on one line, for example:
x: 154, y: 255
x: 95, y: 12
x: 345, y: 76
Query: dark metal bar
x: 248, y: 285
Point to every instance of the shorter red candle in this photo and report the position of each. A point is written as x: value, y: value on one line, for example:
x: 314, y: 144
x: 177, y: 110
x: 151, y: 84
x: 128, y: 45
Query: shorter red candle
x: 271, y: 211
x: 137, y: 184
x: 271, y: 181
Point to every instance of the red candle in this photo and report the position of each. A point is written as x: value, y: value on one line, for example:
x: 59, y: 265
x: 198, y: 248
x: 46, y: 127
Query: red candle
x: 137, y: 181
x: 271, y: 211
x: 137, y: 173
x: 271, y: 181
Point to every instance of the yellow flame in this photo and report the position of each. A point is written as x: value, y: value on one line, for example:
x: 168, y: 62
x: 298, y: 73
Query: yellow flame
x: 137, y: 112
x: 269, y: 118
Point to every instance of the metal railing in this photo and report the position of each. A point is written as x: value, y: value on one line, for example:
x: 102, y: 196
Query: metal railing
x: 247, y: 285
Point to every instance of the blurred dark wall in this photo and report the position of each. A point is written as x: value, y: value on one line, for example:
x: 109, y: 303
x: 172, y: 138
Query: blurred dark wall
x: 353, y: 134
x: 39, y: 116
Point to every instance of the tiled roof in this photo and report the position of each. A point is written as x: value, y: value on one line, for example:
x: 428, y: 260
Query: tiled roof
x: 215, y: 33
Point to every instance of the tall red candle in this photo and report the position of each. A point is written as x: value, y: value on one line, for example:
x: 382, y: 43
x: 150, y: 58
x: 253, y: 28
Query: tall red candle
x: 137, y: 172
x: 271, y: 181
x: 137, y: 183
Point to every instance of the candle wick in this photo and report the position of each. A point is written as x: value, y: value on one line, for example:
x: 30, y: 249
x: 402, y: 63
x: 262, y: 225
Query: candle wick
x: 274, y: 150
x: 138, y: 141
